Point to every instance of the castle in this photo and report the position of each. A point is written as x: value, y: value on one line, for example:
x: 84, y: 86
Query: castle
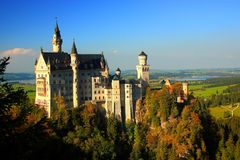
x: 82, y: 78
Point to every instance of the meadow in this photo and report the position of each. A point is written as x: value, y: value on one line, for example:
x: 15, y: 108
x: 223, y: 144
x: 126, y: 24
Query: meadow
x: 29, y: 88
x: 203, y: 90
x: 208, y: 88
x: 218, y: 112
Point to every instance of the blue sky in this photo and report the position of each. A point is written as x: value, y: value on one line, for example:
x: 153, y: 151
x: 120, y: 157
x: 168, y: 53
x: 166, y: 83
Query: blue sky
x: 176, y: 34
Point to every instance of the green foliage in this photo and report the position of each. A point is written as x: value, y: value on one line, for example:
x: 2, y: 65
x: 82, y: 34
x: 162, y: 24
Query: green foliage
x: 164, y: 128
x: 138, y: 150
x: 29, y: 88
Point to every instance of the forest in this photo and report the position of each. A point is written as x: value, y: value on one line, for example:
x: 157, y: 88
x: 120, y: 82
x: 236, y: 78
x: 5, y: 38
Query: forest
x: 164, y: 129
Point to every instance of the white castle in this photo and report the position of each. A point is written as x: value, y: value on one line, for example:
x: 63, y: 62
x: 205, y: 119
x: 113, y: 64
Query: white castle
x: 82, y: 78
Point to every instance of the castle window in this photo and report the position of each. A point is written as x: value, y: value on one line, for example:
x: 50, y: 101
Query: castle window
x: 99, y: 97
x: 89, y: 74
x: 95, y: 98
x: 95, y: 92
x: 102, y: 91
x: 103, y: 97
x: 98, y: 92
x: 59, y: 75
x: 82, y: 74
x: 59, y: 82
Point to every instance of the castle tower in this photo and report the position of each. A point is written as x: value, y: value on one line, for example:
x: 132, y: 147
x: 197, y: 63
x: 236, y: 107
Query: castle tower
x: 116, y: 95
x: 74, y: 64
x: 57, y: 40
x: 185, y: 89
x: 143, y: 68
x: 118, y: 72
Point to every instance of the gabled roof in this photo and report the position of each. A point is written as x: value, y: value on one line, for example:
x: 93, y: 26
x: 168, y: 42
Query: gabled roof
x: 57, y: 61
x: 91, y: 61
x: 62, y: 61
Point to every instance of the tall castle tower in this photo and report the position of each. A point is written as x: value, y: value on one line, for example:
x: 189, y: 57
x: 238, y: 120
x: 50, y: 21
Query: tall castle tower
x: 143, y: 68
x: 74, y: 64
x: 116, y: 94
x: 57, y: 40
x: 185, y: 89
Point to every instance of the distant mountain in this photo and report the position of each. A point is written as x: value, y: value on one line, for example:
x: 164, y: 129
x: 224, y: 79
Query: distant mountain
x: 154, y: 74
x: 18, y: 76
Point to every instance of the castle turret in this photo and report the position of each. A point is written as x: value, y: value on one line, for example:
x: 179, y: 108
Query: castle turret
x: 185, y: 89
x: 116, y: 94
x: 74, y: 64
x: 57, y: 40
x: 118, y: 72
x: 143, y: 68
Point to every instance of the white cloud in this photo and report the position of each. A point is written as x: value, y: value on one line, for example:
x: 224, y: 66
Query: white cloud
x: 115, y: 52
x: 17, y: 51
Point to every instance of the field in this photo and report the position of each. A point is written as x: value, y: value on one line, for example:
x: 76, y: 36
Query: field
x: 218, y: 112
x: 203, y: 91
x: 27, y: 87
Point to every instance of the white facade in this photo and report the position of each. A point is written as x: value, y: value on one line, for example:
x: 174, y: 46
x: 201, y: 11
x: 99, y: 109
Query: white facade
x: 81, y: 78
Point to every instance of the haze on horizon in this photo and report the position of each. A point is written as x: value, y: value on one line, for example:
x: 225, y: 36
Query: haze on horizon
x: 175, y: 34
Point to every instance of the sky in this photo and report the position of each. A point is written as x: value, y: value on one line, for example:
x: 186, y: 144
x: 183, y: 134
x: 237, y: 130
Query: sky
x: 176, y: 34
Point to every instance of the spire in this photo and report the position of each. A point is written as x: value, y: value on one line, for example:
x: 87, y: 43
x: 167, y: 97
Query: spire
x: 74, y: 49
x: 41, y: 50
x: 36, y: 62
x: 57, y: 40
x: 56, y: 30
